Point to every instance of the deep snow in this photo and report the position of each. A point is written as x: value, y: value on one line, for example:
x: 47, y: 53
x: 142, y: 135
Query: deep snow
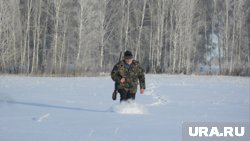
x: 81, y: 108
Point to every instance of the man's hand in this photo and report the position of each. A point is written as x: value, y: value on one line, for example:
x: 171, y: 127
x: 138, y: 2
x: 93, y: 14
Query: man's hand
x: 142, y: 91
x: 122, y: 80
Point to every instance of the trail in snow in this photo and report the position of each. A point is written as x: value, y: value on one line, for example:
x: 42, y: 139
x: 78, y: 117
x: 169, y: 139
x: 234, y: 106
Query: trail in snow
x: 152, y: 91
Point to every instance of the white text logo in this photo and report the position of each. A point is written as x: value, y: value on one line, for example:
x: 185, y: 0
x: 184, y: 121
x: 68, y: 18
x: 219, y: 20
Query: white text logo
x: 215, y: 132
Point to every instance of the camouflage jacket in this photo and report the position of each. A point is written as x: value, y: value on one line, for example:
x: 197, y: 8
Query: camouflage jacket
x: 132, y: 74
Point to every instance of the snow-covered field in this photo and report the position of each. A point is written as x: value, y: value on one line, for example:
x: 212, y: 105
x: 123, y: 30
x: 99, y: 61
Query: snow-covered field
x: 81, y: 108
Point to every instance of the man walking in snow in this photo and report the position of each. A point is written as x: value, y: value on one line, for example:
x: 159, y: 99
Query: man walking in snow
x: 126, y: 74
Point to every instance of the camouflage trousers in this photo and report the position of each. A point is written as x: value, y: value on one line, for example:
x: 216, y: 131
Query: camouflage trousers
x: 125, y: 95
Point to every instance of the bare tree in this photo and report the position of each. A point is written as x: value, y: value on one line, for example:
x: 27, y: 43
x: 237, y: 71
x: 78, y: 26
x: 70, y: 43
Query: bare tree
x: 55, y: 50
x: 140, y: 30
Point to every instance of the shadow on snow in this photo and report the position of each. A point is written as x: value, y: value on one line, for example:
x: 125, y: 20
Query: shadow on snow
x: 55, y: 106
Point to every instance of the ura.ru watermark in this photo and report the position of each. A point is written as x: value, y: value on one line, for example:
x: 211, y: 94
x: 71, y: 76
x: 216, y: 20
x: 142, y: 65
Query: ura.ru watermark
x: 211, y: 131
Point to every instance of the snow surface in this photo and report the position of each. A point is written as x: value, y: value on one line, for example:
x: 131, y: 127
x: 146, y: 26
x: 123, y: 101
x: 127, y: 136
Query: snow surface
x: 81, y: 108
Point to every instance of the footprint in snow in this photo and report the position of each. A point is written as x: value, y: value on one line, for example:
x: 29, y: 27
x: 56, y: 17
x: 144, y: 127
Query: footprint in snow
x: 41, y: 118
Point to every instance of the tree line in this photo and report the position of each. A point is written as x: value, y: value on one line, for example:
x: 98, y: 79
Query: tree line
x: 86, y: 36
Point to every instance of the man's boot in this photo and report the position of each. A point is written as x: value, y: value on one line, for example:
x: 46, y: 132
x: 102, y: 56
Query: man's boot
x: 114, y: 95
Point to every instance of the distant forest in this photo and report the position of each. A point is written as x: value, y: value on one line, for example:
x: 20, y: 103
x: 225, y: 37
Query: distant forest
x: 77, y: 37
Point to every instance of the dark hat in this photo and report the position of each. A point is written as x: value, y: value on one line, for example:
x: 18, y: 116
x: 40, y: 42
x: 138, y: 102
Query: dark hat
x: 128, y: 54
